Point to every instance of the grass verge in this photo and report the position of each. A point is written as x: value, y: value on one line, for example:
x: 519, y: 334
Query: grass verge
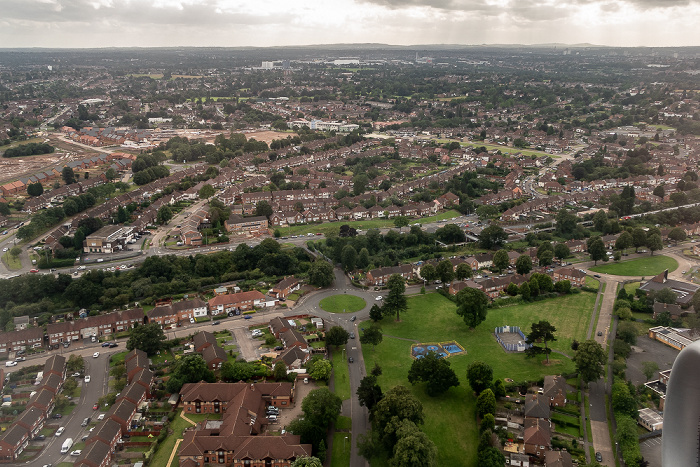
x: 648, y: 266
x: 13, y: 262
x: 341, y: 374
x: 341, y: 449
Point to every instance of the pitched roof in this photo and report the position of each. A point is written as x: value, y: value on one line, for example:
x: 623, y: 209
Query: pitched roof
x: 202, y: 339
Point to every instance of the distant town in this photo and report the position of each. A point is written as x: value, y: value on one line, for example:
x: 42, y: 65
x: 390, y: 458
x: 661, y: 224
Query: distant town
x: 304, y: 257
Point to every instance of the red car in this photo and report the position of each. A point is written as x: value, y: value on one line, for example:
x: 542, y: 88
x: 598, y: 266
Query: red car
x: 34, y: 270
x: 95, y: 407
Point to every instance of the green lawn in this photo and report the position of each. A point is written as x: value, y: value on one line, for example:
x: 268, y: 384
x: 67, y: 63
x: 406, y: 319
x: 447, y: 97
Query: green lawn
x: 592, y: 283
x: 343, y: 423
x: 632, y: 287
x: 334, y: 227
x: 342, y: 303
x: 647, y: 266
x: 177, y: 426
x: 117, y: 358
x: 450, y: 418
x: 341, y: 374
x: 340, y: 457
x: 13, y: 262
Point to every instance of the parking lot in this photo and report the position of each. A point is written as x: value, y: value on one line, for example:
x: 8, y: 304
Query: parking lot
x: 648, y: 350
x: 287, y: 415
x: 651, y: 451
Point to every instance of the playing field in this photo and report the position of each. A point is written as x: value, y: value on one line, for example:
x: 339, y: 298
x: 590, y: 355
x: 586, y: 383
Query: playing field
x: 647, y: 266
x: 450, y: 418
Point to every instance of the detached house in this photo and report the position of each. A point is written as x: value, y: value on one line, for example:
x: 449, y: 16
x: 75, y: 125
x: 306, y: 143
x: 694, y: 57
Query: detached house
x: 285, y: 287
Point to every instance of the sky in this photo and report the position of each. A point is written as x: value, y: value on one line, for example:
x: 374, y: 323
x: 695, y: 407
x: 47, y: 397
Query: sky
x: 263, y: 23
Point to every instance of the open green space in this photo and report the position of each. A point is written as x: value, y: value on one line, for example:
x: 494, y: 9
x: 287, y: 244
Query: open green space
x: 632, y: 287
x: 342, y: 303
x: 450, y: 419
x: 340, y: 457
x: 343, y: 423
x: 592, y: 283
x: 334, y: 227
x: 13, y: 262
x: 647, y: 266
x: 341, y: 373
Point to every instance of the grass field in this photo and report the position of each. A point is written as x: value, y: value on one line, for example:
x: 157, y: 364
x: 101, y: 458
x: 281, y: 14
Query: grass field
x: 450, y: 418
x: 592, y: 283
x: 647, y: 266
x: 13, y: 262
x: 342, y: 303
x: 632, y: 287
x: 334, y: 227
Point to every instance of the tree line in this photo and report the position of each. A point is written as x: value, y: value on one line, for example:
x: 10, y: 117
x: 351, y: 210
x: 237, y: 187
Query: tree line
x: 29, y: 149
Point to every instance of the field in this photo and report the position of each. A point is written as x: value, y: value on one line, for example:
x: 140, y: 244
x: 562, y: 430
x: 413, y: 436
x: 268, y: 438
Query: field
x: 334, y: 227
x: 13, y: 262
x: 647, y: 266
x: 342, y: 303
x: 432, y: 318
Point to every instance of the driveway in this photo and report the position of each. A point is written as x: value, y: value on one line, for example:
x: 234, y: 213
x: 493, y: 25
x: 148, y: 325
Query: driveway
x: 247, y: 346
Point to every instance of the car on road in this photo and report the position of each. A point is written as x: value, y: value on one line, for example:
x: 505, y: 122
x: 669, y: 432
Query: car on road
x: 279, y: 347
x: 598, y: 457
x: 247, y: 317
x: 216, y: 322
x: 34, y: 270
x: 350, y: 360
x: 13, y: 363
x: 352, y: 335
x: 95, y: 355
x: 95, y: 406
x: 596, y: 275
x: 113, y: 345
x: 76, y: 453
x: 379, y: 297
x: 87, y: 378
x: 5, y: 249
x: 76, y: 375
x: 86, y: 422
x: 101, y: 416
x: 353, y: 318
x: 60, y: 430
x: 105, y: 344
x: 600, y: 333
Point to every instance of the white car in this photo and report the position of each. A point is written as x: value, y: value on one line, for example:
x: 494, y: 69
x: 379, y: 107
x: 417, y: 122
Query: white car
x: 87, y: 379
x: 95, y: 355
x: 101, y: 416
x: 60, y: 430
x: 77, y: 452
x: 12, y: 363
x: 379, y: 297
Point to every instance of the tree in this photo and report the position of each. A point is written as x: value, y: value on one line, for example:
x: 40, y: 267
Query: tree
x: 561, y: 251
x: 68, y: 175
x: 649, y: 369
x: 624, y: 241
x: 363, y: 258
x: 449, y: 234
x: 75, y: 363
x: 677, y: 234
x: 400, y: 222
x: 396, y: 302
x: 372, y: 336
x: 70, y: 385
x: 488, y: 422
x: 491, y: 457
x: 321, y: 369
x: 321, y: 273
x: 472, y: 306
x: 566, y: 221
x: 206, y: 192
x: 589, y: 359
x: 545, y: 257
x: 111, y: 174
x: 348, y: 257
x: 623, y: 402
x: 237, y: 371
x: 654, y: 243
x: 492, y: 237
x: 434, y: 371
x: 523, y: 264
x: 35, y: 189
x: 307, y: 462
x: 321, y: 407
x: 428, y: 272
x: 189, y: 369
x: 337, y: 336
x: 413, y: 447
x: 541, y: 331
x: 596, y: 248
x: 499, y: 388
x: 15, y: 251
x: 164, y: 214
x: 397, y: 404
x: 480, y: 376
x: 600, y: 219
x: 445, y: 271
x: 369, y: 393
x: 464, y: 271
x: 263, y: 208
x: 279, y: 371
x: 639, y: 238
x: 666, y: 295
x: 696, y: 301
x: 486, y: 403
x: 501, y: 260
x: 659, y: 191
x: 148, y: 337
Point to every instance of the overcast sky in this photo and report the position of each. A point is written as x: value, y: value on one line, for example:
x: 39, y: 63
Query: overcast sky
x: 230, y: 23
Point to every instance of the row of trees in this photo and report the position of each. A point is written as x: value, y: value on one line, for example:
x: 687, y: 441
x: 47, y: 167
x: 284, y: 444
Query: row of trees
x: 29, y: 149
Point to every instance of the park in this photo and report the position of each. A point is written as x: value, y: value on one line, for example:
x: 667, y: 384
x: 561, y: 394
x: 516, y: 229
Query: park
x: 450, y: 417
x: 647, y: 266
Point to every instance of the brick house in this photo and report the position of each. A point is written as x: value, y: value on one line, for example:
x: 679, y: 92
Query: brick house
x: 202, y: 340
x: 537, y: 437
x: 13, y: 442
x: 555, y: 390
x: 236, y: 302
x: 380, y: 276
x: 285, y: 287
x: 576, y: 277
x: 96, y: 454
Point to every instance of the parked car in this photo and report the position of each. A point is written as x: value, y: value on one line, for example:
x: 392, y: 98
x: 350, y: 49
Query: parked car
x: 378, y: 298
x: 247, y: 317
x: 12, y: 363
x: 598, y: 457
x: 113, y: 345
x: 95, y: 406
x: 57, y: 415
x: 34, y: 270
x: 39, y: 437
x: 105, y: 344
x: 216, y: 322
x: 76, y: 453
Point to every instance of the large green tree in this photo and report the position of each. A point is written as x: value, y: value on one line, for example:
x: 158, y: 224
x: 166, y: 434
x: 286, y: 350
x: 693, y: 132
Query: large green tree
x: 541, y: 331
x: 589, y: 359
x: 190, y: 369
x: 624, y: 241
x: 523, y: 264
x: 372, y: 335
x: 472, y: 306
x: 654, y: 243
x: 321, y: 273
x: 561, y: 251
x: 596, y: 248
x: 480, y: 376
x: 165, y: 213
x: 148, y: 337
x: 337, y: 336
x: 501, y: 260
x: 369, y: 393
x: 413, y: 447
x: 396, y: 405
x: 464, y: 271
x: 434, y: 371
x: 428, y: 272
x: 348, y: 257
x: 445, y: 271
x: 396, y: 302
x: 486, y: 403
x: 492, y: 237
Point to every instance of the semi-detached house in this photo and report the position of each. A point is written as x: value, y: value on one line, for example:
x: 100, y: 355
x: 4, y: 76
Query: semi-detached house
x: 236, y: 302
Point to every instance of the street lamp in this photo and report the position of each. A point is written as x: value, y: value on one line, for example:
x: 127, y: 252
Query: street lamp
x: 345, y: 444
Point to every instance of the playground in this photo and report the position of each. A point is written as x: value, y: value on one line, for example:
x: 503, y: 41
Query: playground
x: 443, y: 349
